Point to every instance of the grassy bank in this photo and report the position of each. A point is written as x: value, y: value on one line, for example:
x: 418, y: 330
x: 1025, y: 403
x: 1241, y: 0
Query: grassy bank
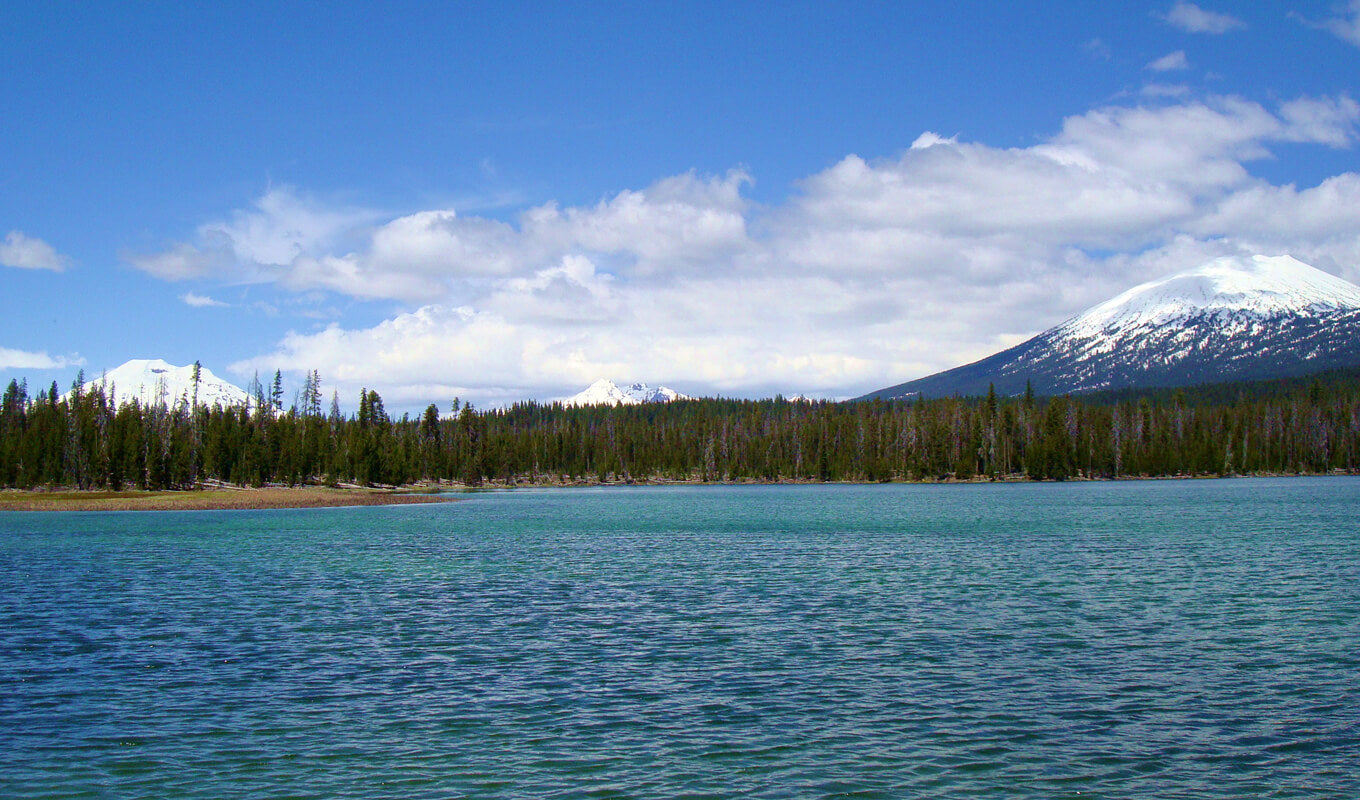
x: 211, y: 499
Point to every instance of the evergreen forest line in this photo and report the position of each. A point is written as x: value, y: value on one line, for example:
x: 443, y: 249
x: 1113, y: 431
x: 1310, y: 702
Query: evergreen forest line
x: 85, y: 441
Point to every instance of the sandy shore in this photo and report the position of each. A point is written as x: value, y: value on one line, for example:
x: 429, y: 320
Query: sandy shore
x: 211, y: 499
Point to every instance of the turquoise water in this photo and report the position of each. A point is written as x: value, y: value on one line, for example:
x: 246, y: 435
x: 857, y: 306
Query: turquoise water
x: 1161, y: 639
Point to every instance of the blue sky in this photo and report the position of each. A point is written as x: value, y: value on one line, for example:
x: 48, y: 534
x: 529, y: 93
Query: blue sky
x: 502, y: 201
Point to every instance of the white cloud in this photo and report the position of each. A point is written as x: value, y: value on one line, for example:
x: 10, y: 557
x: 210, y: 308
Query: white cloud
x: 1346, y: 26
x: 26, y: 252
x: 23, y: 359
x: 499, y: 358
x: 1320, y: 225
x: 259, y: 244
x: 1327, y: 120
x: 930, y: 139
x: 676, y: 222
x: 875, y: 271
x: 283, y: 227
x: 183, y: 261
x: 680, y: 223
x: 1193, y: 19
x: 434, y: 242
x: 1114, y: 177
x: 200, y: 301
x: 1155, y: 146
x: 1170, y: 62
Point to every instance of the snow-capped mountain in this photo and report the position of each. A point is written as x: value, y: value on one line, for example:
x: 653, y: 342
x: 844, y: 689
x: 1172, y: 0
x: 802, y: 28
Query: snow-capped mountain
x: 1234, y: 318
x: 606, y: 392
x: 151, y: 381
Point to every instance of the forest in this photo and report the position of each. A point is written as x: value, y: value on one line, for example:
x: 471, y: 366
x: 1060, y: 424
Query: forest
x: 83, y: 440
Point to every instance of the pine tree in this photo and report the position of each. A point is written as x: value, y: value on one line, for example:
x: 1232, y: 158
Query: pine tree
x: 429, y: 423
x: 311, y: 394
x: 376, y: 414
x: 255, y: 393
x: 276, y: 391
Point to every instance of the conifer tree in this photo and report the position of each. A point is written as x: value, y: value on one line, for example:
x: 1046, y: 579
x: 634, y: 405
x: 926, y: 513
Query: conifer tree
x: 311, y: 394
x: 276, y: 391
x: 255, y: 393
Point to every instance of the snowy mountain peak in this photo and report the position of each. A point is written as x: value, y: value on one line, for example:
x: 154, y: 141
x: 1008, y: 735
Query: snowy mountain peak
x: 152, y: 381
x: 1234, y: 318
x: 1259, y: 286
x: 606, y: 392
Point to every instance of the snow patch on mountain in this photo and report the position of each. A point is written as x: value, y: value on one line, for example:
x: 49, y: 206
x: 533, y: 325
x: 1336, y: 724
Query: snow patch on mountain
x: 1233, y: 318
x: 606, y: 392
x: 1252, y: 288
x: 1228, y: 310
x: 153, y: 381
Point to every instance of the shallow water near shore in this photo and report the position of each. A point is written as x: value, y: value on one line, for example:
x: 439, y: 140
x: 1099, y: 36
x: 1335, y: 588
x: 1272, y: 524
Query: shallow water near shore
x: 1154, y: 639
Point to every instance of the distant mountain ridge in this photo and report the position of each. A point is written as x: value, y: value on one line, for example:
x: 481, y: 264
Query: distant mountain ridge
x: 606, y: 392
x: 152, y: 381
x: 1231, y: 319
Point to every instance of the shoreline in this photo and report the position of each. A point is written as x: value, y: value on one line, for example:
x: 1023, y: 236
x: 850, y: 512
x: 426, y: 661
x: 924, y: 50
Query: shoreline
x: 586, y: 483
x: 217, y: 498
x: 225, y: 497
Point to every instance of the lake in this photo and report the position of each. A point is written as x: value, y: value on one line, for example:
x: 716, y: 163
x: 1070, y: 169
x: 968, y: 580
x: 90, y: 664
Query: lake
x: 1151, y: 639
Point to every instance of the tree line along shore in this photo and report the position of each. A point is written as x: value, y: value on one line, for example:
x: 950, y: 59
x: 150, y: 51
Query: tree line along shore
x: 85, y: 442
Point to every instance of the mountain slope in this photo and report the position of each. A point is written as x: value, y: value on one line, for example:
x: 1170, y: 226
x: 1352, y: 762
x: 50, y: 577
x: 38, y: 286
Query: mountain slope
x: 1230, y: 319
x: 606, y: 392
x: 152, y: 380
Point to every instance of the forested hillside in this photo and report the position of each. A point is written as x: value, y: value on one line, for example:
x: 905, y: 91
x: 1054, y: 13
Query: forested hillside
x: 84, y: 441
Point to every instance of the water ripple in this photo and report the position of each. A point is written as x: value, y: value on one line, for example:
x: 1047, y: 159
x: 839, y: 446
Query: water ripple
x: 1158, y: 640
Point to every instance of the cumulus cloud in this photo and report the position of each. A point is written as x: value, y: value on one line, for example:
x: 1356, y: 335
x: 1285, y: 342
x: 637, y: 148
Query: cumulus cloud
x: 262, y: 243
x: 676, y: 222
x: 24, y: 359
x: 682, y: 222
x: 1326, y: 120
x: 1193, y: 19
x: 437, y: 352
x: 1317, y: 224
x: 1114, y: 177
x: 27, y: 252
x: 1169, y: 62
x: 874, y: 271
x: 434, y: 242
x: 282, y: 227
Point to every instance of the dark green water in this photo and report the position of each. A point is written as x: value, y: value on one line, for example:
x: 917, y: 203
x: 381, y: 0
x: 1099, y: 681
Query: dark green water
x: 1168, y: 639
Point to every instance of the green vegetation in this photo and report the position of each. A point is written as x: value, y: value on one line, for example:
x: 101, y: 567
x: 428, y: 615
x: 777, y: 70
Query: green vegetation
x: 84, y: 442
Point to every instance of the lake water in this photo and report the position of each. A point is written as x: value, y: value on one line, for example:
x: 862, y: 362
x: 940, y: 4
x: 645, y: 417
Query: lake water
x: 1158, y: 639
